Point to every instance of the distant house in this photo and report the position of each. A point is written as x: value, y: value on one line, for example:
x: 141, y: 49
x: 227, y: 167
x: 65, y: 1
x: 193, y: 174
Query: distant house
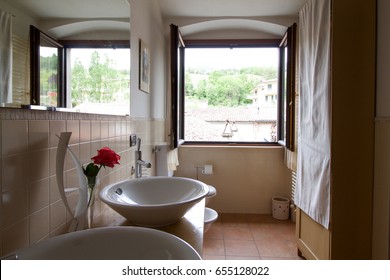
x: 265, y: 93
x: 253, y: 123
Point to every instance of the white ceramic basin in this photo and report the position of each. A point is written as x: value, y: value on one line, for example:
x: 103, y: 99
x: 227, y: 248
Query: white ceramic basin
x: 154, y: 201
x: 111, y: 243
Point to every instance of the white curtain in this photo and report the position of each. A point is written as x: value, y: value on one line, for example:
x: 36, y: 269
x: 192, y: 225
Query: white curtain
x: 5, y: 57
x: 314, y: 141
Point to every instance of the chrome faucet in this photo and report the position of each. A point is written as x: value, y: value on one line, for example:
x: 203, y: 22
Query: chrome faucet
x: 138, y: 160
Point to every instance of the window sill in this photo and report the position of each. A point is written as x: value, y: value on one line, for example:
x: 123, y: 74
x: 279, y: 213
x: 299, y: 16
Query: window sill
x: 43, y: 113
x: 56, y: 109
x: 231, y: 145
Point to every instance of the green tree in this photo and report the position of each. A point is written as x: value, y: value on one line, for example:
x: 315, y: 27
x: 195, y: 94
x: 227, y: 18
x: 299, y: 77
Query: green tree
x: 101, y: 82
x: 95, y: 77
x: 79, y: 83
x: 225, y: 87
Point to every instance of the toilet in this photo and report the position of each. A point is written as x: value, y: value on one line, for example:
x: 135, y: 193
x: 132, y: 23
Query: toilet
x: 210, y: 215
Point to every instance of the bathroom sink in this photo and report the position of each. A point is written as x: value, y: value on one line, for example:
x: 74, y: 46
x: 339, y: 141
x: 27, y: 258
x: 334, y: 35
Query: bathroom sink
x: 111, y: 243
x: 154, y: 201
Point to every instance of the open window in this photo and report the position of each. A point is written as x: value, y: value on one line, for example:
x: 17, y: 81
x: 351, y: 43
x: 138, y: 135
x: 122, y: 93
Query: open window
x: 238, y: 92
x: 91, y: 76
x: 47, y: 70
x: 177, y: 87
x: 287, y: 85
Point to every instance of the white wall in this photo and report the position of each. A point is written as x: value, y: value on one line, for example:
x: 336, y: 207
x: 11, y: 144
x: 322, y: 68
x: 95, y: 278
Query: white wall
x: 21, y: 20
x: 146, y: 23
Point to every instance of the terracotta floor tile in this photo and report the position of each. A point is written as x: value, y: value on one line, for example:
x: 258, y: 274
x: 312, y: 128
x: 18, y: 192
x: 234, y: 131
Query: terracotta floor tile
x: 237, y: 233
x: 213, y: 257
x: 259, y: 218
x: 215, y: 231
x: 242, y: 248
x: 242, y: 258
x: 250, y: 236
x: 234, y: 220
x: 213, y: 247
x: 269, y: 247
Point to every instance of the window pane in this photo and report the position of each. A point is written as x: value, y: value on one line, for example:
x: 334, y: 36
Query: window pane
x: 100, y: 80
x: 48, y: 76
x: 231, y: 94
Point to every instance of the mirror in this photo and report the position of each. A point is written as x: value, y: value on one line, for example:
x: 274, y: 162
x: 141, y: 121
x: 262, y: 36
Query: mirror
x: 57, y: 20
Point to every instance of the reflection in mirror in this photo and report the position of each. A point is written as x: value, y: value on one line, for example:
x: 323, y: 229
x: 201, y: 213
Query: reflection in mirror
x: 5, y: 57
x: 37, y: 80
x: 48, y: 76
x: 46, y: 70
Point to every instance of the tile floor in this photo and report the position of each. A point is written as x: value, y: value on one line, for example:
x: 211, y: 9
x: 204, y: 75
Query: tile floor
x: 250, y: 237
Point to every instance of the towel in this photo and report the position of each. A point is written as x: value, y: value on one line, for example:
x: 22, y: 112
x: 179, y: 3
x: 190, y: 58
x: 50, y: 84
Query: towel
x: 173, y: 160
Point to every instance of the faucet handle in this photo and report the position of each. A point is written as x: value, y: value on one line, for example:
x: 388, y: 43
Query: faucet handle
x: 138, y: 144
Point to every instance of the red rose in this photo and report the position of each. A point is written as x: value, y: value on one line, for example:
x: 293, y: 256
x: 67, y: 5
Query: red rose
x: 106, y: 157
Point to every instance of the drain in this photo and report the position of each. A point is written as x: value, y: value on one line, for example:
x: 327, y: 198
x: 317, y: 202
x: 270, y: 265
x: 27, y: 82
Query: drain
x: 119, y: 191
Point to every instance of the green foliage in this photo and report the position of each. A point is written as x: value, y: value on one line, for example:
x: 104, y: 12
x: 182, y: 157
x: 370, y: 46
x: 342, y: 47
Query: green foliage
x: 226, y: 87
x: 100, y: 83
x: 48, y: 80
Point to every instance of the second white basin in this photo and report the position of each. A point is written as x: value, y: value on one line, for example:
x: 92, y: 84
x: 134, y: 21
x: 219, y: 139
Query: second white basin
x: 154, y: 201
x: 111, y: 243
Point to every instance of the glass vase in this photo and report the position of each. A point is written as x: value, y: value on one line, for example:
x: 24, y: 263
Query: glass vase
x: 91, y: 200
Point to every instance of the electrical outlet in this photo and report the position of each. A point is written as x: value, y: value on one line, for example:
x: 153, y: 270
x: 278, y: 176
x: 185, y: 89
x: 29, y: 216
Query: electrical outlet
x: 133, y: 140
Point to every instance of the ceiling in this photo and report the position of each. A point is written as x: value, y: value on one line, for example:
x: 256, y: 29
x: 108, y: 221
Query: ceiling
x: 81, y: 15
x: 230, y: 8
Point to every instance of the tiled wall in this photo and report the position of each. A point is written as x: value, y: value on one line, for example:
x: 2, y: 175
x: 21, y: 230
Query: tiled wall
x: 31, y: 207
x: 246, y: 178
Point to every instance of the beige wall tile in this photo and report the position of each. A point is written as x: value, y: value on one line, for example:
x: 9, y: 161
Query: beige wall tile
x: 118, y: 128
x: 74, y: 127
x: 31, y: 206
x: 39, y: 195
x: 104, y: 129
x: 57, y: 215
x: 55, y: 129
x: 38, y: 165
x: 14, y: 137
x: 14, y: 205
x: 123, y: 128
x: 15, y: 237
x: 52, y: 161
x: 39, y: 225
x: 69, y: 162
x: 54, y: 194
x: 38, y: 135
x: 111, y: 129
x: 85, y: 131
x: 85, y: 153
x: 245, y: 178
x: 95, y: 146
x: 95, y: 130
x: 15, y: 171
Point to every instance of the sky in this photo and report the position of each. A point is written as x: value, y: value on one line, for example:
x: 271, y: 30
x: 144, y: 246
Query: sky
x: 225, y: 58
x: 215, y: 58
x: 121, y: 57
